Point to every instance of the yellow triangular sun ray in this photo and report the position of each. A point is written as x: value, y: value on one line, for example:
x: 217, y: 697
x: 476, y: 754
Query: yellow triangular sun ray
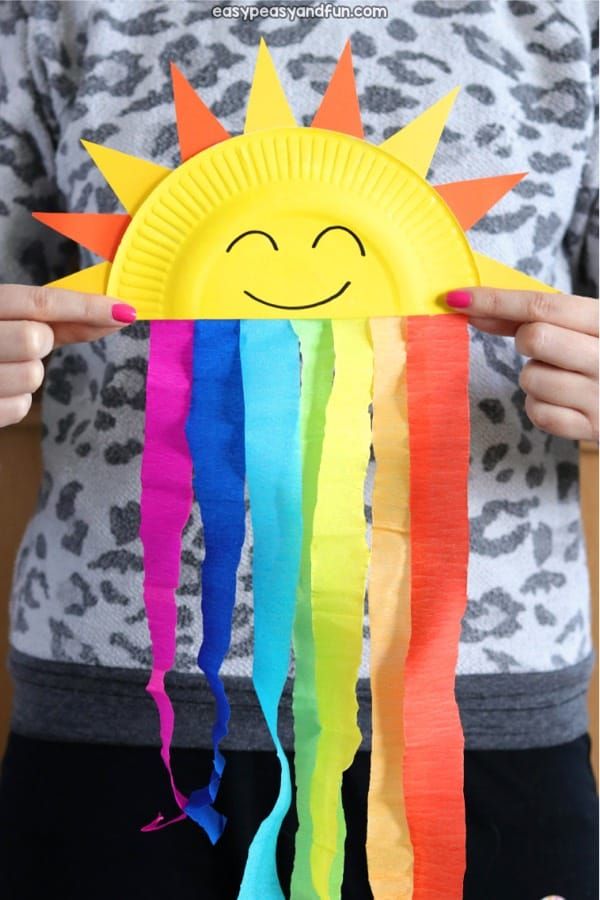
x: 267, y: 104
x: 130, y: 177
x: 495, y: 274
x: 415, y: 144
x: 93, y: 280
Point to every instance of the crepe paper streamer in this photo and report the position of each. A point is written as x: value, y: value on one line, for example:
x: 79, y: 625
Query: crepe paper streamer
x: 438, y: 422
x: 271, y: 379
x: 339, y: 562
x: 316, y: 350
x: 215, y: 433
x: 389, y: 848
x: 165, y: 504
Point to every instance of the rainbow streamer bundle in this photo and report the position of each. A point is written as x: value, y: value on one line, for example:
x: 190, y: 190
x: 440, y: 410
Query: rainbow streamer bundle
x: 292, y: 278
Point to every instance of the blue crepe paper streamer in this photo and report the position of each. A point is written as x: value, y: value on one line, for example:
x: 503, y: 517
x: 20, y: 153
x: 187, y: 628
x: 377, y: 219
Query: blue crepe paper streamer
x: 215, y: 433
x: 271, y: 376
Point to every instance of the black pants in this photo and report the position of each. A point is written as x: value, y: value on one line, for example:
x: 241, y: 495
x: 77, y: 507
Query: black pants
x: 70, y: 816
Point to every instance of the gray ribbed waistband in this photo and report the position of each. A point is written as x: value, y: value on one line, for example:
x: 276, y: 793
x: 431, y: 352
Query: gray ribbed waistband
x: 74, y: 702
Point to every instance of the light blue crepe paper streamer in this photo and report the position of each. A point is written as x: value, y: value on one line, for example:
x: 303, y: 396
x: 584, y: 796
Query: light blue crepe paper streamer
x: 271, y: 377
x: 215, y: 433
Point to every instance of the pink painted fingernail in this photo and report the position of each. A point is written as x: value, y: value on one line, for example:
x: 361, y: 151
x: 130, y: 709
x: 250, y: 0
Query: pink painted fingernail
x: 122, y: 312
x: 459, y: 299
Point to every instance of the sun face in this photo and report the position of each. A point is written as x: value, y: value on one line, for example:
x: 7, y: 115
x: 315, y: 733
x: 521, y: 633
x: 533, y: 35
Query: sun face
x: 315, y: 263
x: 287, y: 222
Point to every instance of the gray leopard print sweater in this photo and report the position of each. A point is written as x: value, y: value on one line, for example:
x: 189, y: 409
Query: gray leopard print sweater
x: 80, y: 651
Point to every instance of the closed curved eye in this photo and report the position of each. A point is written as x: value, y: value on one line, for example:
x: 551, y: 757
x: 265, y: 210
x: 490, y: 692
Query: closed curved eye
x: 340, y: 228
x: 252, y: 231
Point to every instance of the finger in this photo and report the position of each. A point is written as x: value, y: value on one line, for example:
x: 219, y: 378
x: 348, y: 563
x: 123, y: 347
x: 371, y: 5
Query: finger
x: 495, y: 326
x: 559, y: 347
x: 46, y: 304
x: 551, y: 385
x: 20, y: 341
x: 13, y: 409
x: 21, y: 377
x: 575, y: 313
x: 558, y: 420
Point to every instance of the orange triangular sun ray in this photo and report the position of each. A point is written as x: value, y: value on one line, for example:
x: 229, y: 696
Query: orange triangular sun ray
x: 197, y: 127
x: 99, y: 232
x: 340, y: 109
x: 471, y: 200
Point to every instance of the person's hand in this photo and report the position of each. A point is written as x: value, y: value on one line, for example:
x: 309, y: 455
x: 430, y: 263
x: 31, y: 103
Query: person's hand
x: 35, y: 320
x: 560, y: 334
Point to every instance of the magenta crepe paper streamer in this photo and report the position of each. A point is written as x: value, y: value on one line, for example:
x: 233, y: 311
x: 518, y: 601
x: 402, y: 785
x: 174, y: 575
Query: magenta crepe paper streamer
x: 165, y: 505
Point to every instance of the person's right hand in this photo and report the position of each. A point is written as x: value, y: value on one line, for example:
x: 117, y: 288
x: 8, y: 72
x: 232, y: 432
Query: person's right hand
x: 35, y: 320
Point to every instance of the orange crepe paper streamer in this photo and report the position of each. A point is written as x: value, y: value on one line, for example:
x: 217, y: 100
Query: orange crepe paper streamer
x: 438, y: 417
x: 340, y: 109
x: 197, y: 127
x: 99, y: 232
x: 389, y: 849
x: 471, y: 200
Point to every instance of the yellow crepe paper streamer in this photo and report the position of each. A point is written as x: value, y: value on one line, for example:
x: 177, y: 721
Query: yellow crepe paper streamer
x: 339, y: 561
x: 389, y: 849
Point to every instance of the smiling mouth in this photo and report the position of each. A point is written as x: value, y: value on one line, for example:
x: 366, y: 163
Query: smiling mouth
x: 339, y: 293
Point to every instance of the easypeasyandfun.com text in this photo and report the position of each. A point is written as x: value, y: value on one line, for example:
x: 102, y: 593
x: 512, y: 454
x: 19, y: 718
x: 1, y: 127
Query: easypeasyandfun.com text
x: 292, y: 12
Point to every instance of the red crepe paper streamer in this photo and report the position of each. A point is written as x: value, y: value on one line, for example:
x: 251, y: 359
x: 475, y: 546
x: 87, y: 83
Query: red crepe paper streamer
x: 438, y: 416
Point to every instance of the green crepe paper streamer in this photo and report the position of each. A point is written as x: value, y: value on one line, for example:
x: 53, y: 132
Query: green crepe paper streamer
x: 316, y: 348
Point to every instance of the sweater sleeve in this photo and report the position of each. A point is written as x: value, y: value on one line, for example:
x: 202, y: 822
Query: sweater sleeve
x: 29, y: 253
x: 581, y: 238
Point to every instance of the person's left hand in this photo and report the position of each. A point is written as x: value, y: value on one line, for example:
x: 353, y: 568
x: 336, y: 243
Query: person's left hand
x: 560, y: 334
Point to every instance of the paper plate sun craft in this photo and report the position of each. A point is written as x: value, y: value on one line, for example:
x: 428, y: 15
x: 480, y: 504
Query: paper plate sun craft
x: 293, y: 281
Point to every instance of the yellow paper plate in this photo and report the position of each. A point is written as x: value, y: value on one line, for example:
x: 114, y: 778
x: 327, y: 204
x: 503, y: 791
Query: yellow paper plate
x: 291, y: 223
